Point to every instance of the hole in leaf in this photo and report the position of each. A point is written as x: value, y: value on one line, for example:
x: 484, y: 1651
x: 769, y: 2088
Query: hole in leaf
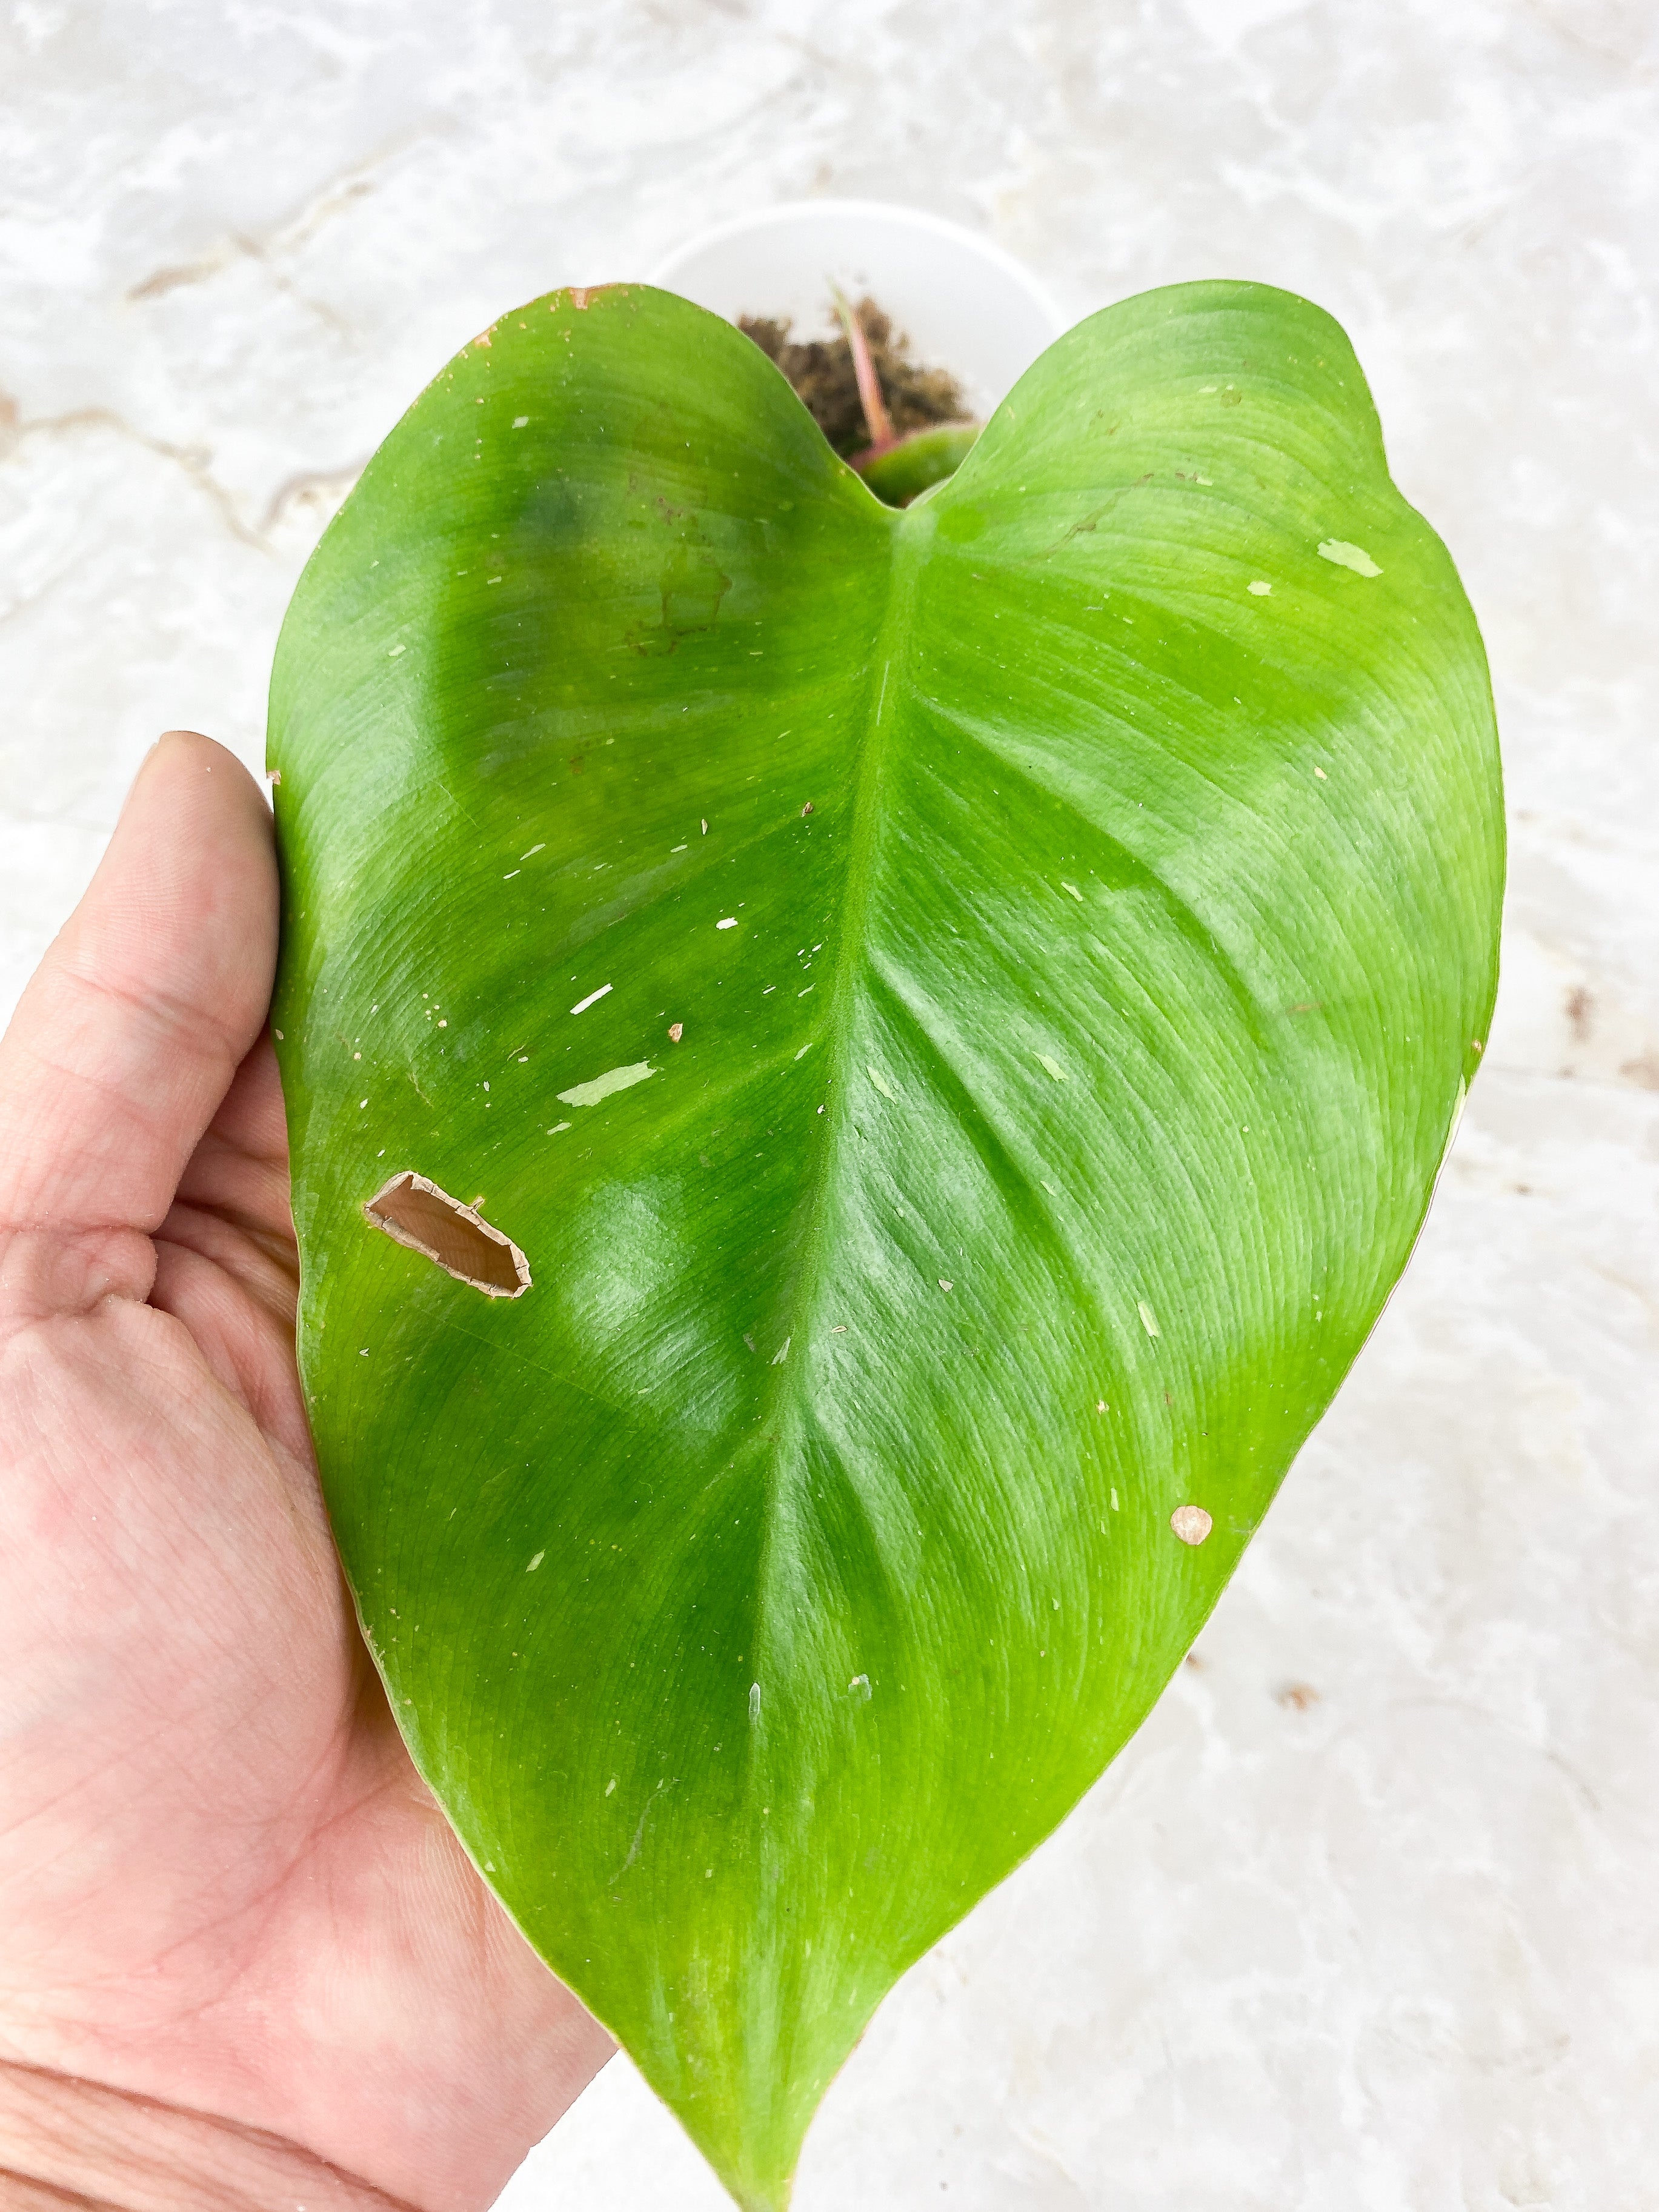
x: 429, y: 1221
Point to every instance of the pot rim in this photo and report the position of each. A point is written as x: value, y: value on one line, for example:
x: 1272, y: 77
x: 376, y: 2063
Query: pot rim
x: 892, y: 212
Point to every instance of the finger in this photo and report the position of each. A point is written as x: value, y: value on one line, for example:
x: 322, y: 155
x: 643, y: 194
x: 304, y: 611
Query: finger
x: 240, y: 1170
x: 127, y: 1038
x: 236, y: 1303
x: 225, y: 1260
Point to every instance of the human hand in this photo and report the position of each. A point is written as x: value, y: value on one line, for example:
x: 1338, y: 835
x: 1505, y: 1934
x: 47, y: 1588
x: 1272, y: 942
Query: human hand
x: 223, y: 1888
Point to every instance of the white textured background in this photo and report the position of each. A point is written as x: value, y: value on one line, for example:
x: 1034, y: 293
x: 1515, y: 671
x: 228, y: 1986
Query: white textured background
x: 1367, y: 1920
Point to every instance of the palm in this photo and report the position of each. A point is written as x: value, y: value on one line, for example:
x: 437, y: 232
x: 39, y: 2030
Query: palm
x: 224, y: 1885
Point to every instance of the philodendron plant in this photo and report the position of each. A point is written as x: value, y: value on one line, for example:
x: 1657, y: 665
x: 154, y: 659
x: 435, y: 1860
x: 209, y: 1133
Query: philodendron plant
x: 857, y: 1079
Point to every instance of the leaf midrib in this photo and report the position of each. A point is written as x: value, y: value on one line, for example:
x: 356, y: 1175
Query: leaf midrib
x: 911, y: 533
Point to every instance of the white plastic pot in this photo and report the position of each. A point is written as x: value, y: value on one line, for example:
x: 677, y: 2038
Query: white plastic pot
x: 964, y: 304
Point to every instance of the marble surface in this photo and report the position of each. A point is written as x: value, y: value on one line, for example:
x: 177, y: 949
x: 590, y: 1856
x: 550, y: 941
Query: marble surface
x: 1367, y: 1917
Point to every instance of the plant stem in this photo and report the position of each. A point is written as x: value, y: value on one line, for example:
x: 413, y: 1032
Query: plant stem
x: 876, y: 420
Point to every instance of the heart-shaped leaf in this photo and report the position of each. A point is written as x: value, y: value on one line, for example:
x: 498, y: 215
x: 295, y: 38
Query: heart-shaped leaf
x: 955, y: 1015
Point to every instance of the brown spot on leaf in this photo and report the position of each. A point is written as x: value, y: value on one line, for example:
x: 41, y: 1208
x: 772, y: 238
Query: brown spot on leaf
x: 1299, y: 1695
x: 1191, y: 1523
x: 1581, y: 1013
x: 420, y: 1216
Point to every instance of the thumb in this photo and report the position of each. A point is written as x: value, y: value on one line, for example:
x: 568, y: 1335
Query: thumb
x: 127, y: 1037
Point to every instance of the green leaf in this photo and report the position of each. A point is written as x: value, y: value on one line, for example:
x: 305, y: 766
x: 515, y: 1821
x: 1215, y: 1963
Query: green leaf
x: 904, y: 472
x: 960, y: 1011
